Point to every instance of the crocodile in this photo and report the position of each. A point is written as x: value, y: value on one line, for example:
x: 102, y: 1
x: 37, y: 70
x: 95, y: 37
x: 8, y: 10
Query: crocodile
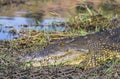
x: 96, y: 42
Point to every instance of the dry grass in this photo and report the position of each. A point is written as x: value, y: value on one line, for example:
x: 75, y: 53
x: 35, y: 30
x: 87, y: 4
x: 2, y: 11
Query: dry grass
x: 57, y: 8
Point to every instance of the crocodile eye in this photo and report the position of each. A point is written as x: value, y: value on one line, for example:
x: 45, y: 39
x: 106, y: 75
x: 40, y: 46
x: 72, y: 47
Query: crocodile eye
x: 62, y: 44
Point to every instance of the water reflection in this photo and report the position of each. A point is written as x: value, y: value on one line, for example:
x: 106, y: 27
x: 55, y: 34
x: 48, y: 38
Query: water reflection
x: 11, y: 27
x: 38, y: 16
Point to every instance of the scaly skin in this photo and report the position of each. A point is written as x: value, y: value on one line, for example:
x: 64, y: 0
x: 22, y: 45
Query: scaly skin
x: 108, y: 39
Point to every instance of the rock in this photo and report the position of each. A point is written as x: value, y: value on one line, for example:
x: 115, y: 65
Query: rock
x: 24, y: 25
x: 13, y: 31
x: 8, y: 26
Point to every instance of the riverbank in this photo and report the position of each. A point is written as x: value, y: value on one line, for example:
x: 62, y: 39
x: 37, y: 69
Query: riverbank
x: 59, y: 8
x: 104, y: 64
x: 95, y: 31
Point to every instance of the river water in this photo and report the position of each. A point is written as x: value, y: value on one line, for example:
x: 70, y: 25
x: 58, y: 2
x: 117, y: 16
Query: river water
x: 10, y: 27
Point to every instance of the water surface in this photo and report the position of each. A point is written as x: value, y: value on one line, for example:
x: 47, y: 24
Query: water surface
x: 9, y: 25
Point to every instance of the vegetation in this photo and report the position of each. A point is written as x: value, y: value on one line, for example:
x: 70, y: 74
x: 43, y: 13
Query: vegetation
x: 6, y: 2
x: 85, y: 22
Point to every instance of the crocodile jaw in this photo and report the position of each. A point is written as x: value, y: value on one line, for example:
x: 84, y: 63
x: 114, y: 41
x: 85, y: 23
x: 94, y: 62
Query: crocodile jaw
x: 36, y: 57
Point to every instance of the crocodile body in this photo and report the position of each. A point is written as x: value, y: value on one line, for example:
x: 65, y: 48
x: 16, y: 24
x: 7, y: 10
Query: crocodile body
x: 108, y: 39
